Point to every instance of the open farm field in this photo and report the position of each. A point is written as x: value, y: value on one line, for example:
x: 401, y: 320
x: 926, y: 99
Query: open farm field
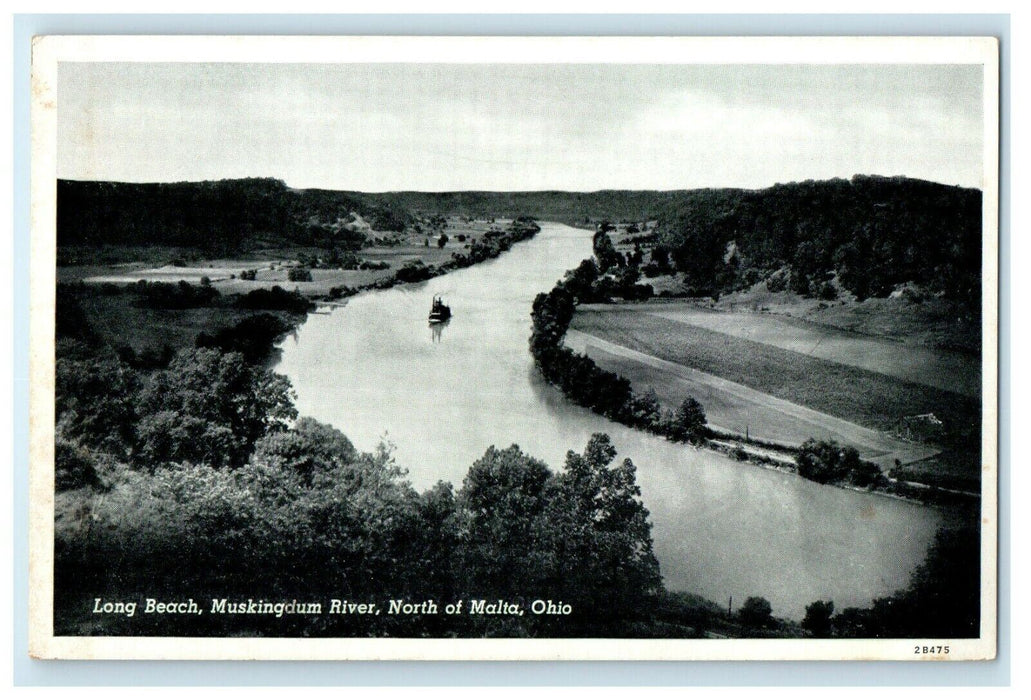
x: 734, y: 408
x: 272, y: 265
x: 782, y: 395
x: 868, y: 398
x: 942, y: 369
x: 225, y: 274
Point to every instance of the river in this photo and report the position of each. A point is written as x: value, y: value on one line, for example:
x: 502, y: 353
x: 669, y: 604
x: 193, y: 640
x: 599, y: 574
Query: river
x: 376, y: 370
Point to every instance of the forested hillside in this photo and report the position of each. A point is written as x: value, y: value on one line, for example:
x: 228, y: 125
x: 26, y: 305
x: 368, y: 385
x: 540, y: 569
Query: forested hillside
x: 873, y: 233
x: 216, y: 217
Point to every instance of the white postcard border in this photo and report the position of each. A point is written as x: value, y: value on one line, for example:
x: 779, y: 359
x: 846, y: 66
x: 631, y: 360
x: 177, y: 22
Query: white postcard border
x: 48, y: 52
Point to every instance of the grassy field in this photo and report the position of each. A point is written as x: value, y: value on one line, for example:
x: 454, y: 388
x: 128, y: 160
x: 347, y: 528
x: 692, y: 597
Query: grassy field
x: 734, y: 408
x: 128, y: 265
x: 942, y: 369
x: 867, y: 398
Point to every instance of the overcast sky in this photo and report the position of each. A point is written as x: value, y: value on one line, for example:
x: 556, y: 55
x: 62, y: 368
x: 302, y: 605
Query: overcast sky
x: 377, y: 127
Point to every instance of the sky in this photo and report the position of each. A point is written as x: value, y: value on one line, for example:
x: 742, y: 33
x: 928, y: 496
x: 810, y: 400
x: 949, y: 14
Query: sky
x: 581, y: 127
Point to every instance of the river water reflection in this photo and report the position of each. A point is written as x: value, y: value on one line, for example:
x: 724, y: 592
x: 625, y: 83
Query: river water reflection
x: 375, y: 368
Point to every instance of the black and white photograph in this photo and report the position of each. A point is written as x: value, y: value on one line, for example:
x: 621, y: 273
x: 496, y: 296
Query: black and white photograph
x: 514, y: 348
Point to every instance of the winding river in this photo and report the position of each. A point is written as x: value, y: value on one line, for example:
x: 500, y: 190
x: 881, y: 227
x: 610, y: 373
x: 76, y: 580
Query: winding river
x: 375, y: 369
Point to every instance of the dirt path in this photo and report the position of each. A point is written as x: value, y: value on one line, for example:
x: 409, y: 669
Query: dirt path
x: 730, y: 406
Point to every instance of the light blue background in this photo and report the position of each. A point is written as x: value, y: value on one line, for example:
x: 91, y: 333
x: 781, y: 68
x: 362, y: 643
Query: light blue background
x: 29, y: 672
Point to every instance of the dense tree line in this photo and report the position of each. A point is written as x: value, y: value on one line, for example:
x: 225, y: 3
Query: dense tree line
x: 491, y: 245
x: 169, y: 295
x: 254, y: 337
x: 873, y: 233
x: 275, y: 298
x: 334, y: 259
x: 586, y: 384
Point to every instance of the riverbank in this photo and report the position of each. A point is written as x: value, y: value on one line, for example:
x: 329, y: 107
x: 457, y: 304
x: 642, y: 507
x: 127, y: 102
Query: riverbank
x: 153, y: 312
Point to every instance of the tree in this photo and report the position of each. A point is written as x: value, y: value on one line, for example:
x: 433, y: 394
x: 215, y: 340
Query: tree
x: 628, y: 277
x: 502, y: 496
x: 209, y: 407
x: 689, y: 421
x: 308, y: 449
x: 817, y: 620
x: 299, y: 274
x: 603, y: 533
x: 582, y: 536
x: 825, y: 461
x: 756, y: 612
x: 606, y: 253
x: 414, y: 271
x: 580, y: 280
x: 644, y: 409
x: 95, y: 402
x: 660, y: 256
x: 74, y: 466
x: 437, y: 542
x: 442, y: 241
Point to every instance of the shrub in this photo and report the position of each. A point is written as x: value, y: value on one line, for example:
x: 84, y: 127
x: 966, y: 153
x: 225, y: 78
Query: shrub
x: 275, y: 299
x: 825, y: 462
x: 414, y: 271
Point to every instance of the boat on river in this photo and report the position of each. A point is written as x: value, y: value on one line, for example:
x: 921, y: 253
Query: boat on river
x: 439, y: 311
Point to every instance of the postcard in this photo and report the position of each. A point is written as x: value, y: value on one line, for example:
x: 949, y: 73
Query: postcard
x: 515, y: 348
